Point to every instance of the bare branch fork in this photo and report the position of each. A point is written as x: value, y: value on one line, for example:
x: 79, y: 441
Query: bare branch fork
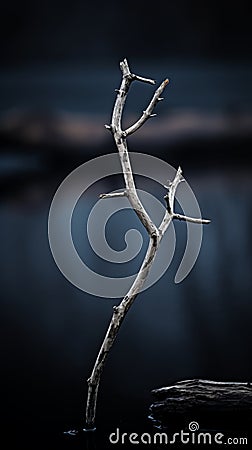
x: 155, y: 234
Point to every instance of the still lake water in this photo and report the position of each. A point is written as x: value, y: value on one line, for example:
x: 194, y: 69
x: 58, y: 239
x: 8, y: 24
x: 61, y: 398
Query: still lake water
x: 51, y: 331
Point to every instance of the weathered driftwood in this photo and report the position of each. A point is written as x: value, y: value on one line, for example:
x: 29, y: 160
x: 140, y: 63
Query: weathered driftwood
x: 155, y: 234
x: 212, y: 404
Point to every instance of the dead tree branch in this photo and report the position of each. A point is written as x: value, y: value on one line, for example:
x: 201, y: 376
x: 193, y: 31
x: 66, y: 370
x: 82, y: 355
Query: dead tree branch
x: 155, y: 234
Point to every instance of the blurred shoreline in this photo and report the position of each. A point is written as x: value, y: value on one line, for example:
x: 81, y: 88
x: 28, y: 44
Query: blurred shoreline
x: 58, y: 112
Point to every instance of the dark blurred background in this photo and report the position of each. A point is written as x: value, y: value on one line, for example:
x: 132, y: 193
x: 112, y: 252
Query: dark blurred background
x: 59, y: 69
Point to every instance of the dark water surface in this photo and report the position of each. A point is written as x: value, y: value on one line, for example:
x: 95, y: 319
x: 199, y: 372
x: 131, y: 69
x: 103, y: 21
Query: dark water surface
x: 51, y: 331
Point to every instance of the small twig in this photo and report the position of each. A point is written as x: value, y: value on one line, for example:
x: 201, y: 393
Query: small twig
x: 113, y: 195
x: 169, y: 198
x: 144, y: 80
x: 148, y: 112
x: 190, y: 219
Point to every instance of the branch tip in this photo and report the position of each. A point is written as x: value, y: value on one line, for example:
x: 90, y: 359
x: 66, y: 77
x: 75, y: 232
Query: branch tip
x: 148, y: 114
x: 113, y: 194
x: 143, y: 79
x: 191, y: 219
x: 124, y: 66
